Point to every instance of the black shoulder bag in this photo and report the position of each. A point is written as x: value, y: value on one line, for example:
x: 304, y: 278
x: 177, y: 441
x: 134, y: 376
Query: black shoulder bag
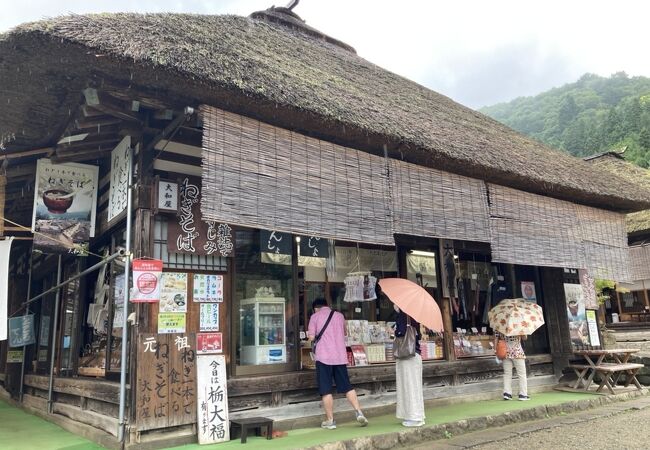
x: 319, y: 335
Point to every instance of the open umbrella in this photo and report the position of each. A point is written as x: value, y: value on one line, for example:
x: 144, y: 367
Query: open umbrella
x: 516, y: 317
x: 414, y: 300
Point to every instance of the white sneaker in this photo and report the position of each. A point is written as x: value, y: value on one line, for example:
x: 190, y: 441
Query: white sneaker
x: 362, y: 419
x: 328, y: 424
x: 413, y: 423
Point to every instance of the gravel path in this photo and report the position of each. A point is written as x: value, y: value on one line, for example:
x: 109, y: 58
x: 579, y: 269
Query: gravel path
x: 628, y: 430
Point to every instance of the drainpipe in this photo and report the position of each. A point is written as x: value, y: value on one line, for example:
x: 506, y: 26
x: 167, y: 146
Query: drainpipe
x: 22, y: 366
x: 50, y: 402
x: 127, y: 287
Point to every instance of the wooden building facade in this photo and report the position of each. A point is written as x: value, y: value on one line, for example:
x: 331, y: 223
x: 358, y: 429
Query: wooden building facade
x: 295, y: 165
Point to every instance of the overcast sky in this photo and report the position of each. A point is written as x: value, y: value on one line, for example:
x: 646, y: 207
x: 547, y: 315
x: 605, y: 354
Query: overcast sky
x: 475, y: 51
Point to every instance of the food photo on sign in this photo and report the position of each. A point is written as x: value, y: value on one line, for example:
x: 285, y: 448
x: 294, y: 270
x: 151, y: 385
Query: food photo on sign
x: 65, y: 200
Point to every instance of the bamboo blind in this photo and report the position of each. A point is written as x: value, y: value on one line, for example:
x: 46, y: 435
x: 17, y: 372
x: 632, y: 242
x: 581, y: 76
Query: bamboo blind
x: 532, y: 229
x: 433, y: 203
x: 640, y: 262
x: 262, y: 176
x: 605, y: 243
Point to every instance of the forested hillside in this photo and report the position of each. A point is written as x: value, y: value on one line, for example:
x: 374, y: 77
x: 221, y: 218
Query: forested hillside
x: 589, y: 116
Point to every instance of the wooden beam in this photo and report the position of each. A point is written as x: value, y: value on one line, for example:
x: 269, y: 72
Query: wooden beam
x: 112, y: 107
x: 100, y: 121
x: 22, y: 153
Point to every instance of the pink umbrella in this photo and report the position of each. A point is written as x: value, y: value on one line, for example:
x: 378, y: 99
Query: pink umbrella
x: 414, y: 300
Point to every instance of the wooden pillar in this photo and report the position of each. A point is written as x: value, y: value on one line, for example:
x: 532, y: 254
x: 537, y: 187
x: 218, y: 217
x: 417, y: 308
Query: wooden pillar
x: 645, y: 294
x: 445, y: 309
x: 558, y: 322
x: 618, y: 302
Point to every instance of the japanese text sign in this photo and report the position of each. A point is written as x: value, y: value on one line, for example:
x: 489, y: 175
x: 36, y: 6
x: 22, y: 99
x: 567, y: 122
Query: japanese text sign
x: 146, y: 280
x: 212, y: 399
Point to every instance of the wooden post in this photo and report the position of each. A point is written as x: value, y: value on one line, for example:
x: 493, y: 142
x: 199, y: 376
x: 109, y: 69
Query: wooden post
x: 645, y: 294
x: 618, y: 302
x: 448, y: 335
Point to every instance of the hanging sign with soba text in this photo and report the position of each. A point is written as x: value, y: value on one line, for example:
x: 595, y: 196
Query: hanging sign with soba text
x: 189, y: 233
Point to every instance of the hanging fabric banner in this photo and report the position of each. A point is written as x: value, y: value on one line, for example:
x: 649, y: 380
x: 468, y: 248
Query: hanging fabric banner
x: 146, y: 280
x: 5, y: 249
x: 314, y: 247
x: 21, y: 331
x: 275, y: 242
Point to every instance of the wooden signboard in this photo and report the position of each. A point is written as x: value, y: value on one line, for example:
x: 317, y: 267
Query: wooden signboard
x: 166, y: 385
x: 189, y: 233
x: 212, y: 403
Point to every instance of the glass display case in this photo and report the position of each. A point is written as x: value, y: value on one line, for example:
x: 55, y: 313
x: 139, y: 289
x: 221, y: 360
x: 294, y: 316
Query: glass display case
x: 262, y: 331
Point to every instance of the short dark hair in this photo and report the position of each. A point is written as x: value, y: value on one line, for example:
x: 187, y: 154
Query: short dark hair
x: 319, y: 303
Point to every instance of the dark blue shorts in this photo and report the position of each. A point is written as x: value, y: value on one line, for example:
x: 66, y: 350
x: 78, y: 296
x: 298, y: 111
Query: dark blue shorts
x: 325, y: 374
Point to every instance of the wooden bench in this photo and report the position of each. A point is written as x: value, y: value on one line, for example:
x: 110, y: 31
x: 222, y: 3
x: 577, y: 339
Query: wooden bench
x: 243, y: 425
x: 609, y: 374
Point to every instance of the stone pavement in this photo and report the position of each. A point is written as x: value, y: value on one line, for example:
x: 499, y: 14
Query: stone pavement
x: 474, y: 431
x: 614, y: 426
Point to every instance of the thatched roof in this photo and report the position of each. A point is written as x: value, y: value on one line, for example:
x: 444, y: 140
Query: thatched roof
x: 282, y: 73
x: 614, y: 162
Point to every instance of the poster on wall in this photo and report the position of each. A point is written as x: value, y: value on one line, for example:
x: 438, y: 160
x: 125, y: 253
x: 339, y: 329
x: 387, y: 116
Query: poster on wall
x: 528, y: 291
x: 189, y: 233
x: 209, y: 317
x: 171, y: 322
x: 173, y: 297
x: 65, y: 203
x: 14, y: 356
x: 208, y: 288
x: 594, y: 339
x: 212, y: 399
x: 209, y: 343
x: 578, y: 328
x: 588, y: 289
x: 146, y: 280
x: 118, y: 188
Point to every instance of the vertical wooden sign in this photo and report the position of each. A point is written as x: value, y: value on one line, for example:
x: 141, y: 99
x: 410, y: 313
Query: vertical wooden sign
x: 166, y: 391
x: 212, y: 399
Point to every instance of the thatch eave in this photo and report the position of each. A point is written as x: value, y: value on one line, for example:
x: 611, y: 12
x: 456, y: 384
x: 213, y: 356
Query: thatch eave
x: 272, y: 75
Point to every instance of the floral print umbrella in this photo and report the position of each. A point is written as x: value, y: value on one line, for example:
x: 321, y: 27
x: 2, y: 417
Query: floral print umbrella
x: 516, y: 317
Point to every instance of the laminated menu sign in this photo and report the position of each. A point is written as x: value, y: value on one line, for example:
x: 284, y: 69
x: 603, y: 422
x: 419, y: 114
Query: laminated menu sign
x: 212, y: 399
x: 171, y: 323
x: 173, y: 297
x: 146, y: 280
x: 593, y: 328
x: 208, y: 288
x: 209, y: 317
